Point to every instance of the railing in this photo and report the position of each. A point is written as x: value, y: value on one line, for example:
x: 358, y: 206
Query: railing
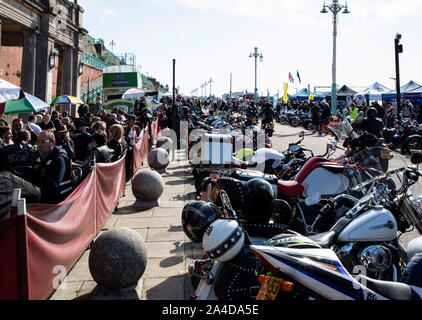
x: 93, y: 61
x: 91, y: 95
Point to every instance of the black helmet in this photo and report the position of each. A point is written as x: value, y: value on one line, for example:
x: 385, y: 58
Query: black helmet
x: 372, y: 112
x: 259, y: 203
x: 196, y: 217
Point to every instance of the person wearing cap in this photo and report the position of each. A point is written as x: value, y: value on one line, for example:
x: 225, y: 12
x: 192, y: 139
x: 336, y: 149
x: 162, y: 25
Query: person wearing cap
x: 81, y: 139
x: 131, y: 123
x: 64, y: 142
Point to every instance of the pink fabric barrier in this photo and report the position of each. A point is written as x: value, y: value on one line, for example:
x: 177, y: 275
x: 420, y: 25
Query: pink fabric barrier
x: 140, y: 151
x: 13, y: 262
x: 154, y: 131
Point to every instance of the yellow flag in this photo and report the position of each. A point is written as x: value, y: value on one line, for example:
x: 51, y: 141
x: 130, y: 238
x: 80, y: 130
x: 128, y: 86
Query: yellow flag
x: 286, y: 95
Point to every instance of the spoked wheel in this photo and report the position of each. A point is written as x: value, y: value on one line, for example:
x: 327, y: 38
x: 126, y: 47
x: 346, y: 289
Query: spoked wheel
x: 295, y: 123
x: 412, y: 145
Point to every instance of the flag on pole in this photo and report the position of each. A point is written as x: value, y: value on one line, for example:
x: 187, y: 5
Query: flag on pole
x: 298, y: 76
x: 286, y: 95
x: 275, y: 102
x: 291, y: 79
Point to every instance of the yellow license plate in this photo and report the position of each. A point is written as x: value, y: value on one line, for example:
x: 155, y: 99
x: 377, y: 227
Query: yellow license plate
x: 215, y: 192
x: 270, y: 289
x: 385, y: 154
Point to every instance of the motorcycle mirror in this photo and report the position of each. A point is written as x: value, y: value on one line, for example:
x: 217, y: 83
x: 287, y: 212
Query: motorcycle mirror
x: 416, y: 158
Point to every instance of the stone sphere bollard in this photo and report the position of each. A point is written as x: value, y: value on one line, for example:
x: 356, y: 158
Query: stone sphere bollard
x: 118, y: 259
x: 165, y: 143
x: 158, y: 159
x: 147, y: 187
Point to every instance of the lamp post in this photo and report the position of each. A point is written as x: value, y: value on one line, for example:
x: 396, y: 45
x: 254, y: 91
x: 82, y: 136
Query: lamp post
x: 256, y: 55
x: 398, y: 49
x: 335, y: 8
x: 210, y: 82
x: 205, y: 87
x: 231, y: 81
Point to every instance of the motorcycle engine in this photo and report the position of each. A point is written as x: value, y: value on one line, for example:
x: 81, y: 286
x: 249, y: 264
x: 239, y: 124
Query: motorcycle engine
x: 376, y: 258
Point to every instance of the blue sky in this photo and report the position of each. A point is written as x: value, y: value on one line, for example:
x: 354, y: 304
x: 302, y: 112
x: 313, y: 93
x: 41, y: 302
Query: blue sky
x: 213, y: 38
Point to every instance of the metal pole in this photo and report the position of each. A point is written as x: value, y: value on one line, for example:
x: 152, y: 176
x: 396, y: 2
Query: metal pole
x: 174, y: 94
x: 256, y: 76
x: 210, y: 86
x: 334, y: 85
x: 397, y: 51
x: 231, y: 79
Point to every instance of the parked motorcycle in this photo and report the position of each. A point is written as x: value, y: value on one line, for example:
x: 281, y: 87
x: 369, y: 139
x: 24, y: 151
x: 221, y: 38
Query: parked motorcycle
x: 305, y: 271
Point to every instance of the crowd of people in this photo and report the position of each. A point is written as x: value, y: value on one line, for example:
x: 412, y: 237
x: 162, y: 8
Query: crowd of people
x: 50, y: 154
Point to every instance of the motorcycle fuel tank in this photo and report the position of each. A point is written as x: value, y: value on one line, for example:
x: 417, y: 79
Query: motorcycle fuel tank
x: 325, y: 183
x: 373, y: 225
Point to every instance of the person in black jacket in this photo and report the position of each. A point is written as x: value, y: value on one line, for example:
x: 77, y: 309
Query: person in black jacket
x: 81, y: 139
x: 10, y: 182
x: 268, y: 114
x: 316, y: 117
x: 52, y: 171
x: 101, y: 153
x: 372, y: 124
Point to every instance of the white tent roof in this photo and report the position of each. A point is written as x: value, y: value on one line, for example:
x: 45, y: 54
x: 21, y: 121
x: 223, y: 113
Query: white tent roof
x: 374, y: 91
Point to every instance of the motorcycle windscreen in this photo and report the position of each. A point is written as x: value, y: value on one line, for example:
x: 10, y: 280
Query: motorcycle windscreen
x: 364, y: 169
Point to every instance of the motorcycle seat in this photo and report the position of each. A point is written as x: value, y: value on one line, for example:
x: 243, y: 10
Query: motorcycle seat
x: 388, y: 289
x: 290, y: 188
x: 326, y: 239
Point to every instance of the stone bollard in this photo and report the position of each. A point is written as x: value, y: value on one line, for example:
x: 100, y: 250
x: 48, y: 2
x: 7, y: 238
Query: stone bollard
x: 165, y: 143
x: 159, y: 160
x: 117, y: 261
x: 147, y: 187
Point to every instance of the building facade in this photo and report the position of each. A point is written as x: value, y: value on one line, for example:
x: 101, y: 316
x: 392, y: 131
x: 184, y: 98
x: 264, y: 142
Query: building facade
x: 42, y: 46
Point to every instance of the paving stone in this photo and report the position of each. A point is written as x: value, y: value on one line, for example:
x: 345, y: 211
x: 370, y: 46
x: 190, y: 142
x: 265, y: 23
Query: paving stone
x: 171, y: 288
x: 142, y: 223
x: 67, y: 291
x: 167, y: 212
x: 171, y: 267
x: 168, y: 249
x: 160, y: 235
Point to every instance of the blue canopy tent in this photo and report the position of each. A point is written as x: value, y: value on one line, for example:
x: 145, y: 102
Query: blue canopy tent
x: 413, y: 94
x: 303, y: 95
x: 392, y: 95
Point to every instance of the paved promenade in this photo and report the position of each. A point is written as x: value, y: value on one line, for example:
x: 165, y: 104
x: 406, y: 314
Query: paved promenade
x: 169, y: 250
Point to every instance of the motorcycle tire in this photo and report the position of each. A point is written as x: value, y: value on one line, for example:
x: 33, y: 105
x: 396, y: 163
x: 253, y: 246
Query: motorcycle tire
x: 411, y: 145
x: 295, y: 123
x: 283, y: 121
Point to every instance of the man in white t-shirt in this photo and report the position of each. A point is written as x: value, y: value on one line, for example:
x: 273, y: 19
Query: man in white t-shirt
x: 32, y: 123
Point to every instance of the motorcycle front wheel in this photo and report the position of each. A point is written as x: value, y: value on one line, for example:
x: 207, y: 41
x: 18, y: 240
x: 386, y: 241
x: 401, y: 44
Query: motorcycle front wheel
x: 411, y: 145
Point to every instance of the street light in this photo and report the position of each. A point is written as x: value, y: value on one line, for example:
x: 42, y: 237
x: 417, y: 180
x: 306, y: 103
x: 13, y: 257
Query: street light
x: 398, y: 49
x: 335, y: 8
x: 256, y: 55
x: 210, y: 82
